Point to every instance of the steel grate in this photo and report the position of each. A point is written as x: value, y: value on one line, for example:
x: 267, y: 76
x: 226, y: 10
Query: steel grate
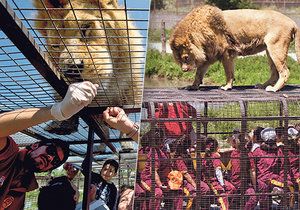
x: 174, y: 140
x: 33, y: 74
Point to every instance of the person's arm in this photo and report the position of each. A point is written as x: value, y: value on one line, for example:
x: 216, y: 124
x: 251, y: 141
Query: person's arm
x: 18, y: 120
x: 78, y: 96
x: 219, y: 175
x: 117, y: 119
x: 253, y: 178
x: 190, y: 180
x: 157, y: 180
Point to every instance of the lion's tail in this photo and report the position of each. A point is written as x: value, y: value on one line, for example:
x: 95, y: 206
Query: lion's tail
x: 297, y: 43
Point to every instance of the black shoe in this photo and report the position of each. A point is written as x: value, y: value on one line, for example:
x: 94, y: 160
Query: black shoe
x: 65, y: 127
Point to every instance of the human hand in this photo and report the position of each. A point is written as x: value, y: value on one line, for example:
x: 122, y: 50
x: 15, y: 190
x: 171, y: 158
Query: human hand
x: 78, y: 96
x: 71, y: 170
x: 116, y: 118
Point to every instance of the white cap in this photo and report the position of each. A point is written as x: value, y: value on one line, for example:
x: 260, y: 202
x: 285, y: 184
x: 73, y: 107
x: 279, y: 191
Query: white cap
x: 293, y: 133
x: 268, y: 134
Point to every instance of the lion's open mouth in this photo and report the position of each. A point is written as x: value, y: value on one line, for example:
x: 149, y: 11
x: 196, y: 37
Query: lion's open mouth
x: 74, y: 74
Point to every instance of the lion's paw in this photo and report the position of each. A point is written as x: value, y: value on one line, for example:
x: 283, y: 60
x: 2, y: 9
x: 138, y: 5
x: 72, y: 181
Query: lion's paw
x: 226, y: 87
x: 260, y: 86
x: 271, y: 89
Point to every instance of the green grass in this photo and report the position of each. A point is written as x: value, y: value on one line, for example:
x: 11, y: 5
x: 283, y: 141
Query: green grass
x: 248, y: 71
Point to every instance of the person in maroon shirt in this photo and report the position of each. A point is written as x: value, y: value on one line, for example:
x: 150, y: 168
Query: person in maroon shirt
x: 18, y: 166
x: 266, y: 166
x: 293, y: 147
x: 146, y: 175
x: 235, y: 176
x: 213, y: 175
x: 293, y: 154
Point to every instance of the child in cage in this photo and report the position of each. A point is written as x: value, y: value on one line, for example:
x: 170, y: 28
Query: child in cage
x: 267, y: 163
x: 234, y: 166
x: 254, y: 139
x: 177, y: 152
x: 293, y: 155
x: 212, y: 173
x: 152, y: 143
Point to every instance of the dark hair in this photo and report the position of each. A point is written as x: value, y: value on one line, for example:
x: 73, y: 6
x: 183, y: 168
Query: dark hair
x: 279, y: 131
x: 125, y: 187
x: 58, y: 195
x: 58, y: 143
x: 211, y: 145
x: 112, y: 162
x: 257, y: 135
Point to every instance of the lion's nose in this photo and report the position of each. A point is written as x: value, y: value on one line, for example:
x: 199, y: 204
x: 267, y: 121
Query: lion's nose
x: 184, y: 67
x: 74, y: 68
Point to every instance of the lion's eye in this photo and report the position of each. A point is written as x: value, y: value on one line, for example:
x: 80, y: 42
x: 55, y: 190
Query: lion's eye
x: 186, y: 59
x: 55, y: 46
x: 83, y: 29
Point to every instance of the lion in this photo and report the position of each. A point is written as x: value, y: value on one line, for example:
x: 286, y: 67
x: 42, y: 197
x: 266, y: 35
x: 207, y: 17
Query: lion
x: 94, y: 45
x: 93, y: 40
x: 207, y: 35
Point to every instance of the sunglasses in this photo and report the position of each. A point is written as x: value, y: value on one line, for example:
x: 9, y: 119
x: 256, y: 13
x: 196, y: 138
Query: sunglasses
x: 52, y: 150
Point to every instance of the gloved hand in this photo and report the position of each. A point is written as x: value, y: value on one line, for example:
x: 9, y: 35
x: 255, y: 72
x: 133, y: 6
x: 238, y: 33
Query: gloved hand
x: 78, y: 96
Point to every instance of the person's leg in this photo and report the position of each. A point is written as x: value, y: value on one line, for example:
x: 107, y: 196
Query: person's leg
x: 251, y: 199
x: 264, y: 200
x: 204, y: 190
x: 140, y: 193
x: 190, y: 191
x: 219, y: 190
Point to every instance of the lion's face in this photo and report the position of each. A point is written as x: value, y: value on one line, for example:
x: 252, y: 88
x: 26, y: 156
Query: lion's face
x: 78, y: 45
x: 186, y: 54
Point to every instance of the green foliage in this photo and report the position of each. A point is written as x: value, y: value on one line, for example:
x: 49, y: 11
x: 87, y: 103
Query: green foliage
x: 164, y: 66
x: 231, y: 4
x: 248, y: 70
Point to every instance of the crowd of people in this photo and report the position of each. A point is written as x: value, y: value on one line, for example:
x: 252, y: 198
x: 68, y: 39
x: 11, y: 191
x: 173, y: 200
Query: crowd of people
x: 180, y: 174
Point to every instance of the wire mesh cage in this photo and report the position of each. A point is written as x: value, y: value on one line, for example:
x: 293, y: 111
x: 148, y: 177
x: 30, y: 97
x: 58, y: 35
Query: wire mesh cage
x: 99, y: 41
x: 46, y: 45
x: 219, y: 150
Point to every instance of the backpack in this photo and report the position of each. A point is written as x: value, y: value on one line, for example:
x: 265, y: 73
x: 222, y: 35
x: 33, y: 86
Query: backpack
x: 175, y: 110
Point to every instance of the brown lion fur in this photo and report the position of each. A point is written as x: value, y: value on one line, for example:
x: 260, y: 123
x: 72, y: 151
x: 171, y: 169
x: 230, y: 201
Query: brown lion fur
x: 207, y: 35
x: 111, y: 58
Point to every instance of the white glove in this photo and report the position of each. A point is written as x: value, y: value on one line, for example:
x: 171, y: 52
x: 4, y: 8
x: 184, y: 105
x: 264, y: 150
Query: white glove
x: 78, y: 96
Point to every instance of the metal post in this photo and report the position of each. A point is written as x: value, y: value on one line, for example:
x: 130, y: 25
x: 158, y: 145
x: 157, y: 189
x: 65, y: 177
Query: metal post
x: 154, y: 120
x: 243, y: 157
x: 128, y: 174
x: 286, y: 192
x: 163, y: 37
x: 87, y: 178
x: 119, y: 181
x: 198, y: 159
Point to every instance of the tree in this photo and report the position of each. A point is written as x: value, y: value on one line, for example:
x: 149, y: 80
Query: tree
x: 157, y: 4
x: 231, y: 4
